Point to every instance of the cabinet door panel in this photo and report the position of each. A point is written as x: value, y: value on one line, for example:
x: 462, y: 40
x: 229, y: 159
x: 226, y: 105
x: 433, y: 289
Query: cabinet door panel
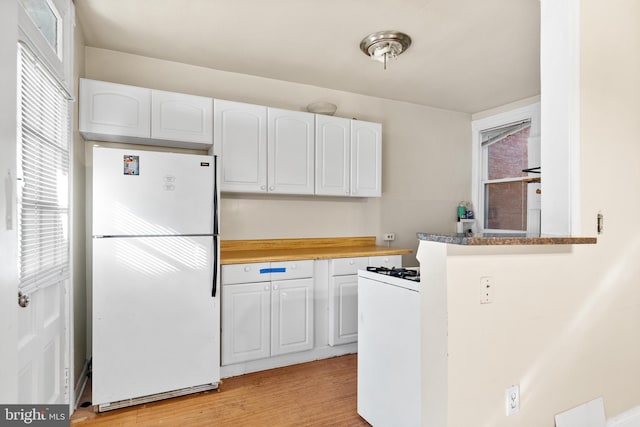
x: 291, y: 316
x: 290, y: 151
x: 245, y: 322
x: 343, y: 310
x: 366, y: 159
x: 182, y: 117
x: 113, y: 112
x: 333, y: 153
x: 240, y: 132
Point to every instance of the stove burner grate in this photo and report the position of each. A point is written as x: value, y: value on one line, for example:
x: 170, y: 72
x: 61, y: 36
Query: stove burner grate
x: 403, y: 273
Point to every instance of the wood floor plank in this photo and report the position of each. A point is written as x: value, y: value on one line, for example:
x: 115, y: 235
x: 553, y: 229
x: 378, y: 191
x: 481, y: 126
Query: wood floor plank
x: 320, y: 393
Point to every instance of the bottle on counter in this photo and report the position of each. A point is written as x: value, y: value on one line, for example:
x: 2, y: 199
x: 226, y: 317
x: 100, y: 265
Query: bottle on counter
x: 462, y: 211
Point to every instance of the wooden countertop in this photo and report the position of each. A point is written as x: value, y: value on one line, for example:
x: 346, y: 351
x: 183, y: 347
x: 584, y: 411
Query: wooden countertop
x: 244, y: 251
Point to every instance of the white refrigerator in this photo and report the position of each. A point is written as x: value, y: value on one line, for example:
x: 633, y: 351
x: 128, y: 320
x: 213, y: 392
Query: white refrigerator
x: 156, y: 305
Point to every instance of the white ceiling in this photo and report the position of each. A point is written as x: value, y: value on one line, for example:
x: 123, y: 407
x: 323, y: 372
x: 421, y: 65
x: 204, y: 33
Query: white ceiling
x: 467, y: 55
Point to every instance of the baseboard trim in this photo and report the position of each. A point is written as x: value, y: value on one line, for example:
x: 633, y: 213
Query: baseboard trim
x: 81, y: 384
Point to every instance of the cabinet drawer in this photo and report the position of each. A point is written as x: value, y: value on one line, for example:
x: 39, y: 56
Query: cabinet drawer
x: 345, y: 266
x: 292, y: 269
x: 386, y: 261
x: 245, y: 273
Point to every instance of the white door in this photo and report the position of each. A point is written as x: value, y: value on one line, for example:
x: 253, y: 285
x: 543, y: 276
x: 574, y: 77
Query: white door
x: 164, y: 193
x: 366, y: 159
x: 155, y: 322
x: 42, y: 347
x: 114, y: 109
x: 240, y: 133
x: 290, y: 151
x: 291, y: 316
x: 343, y: 310
x: 333, y: 165
x: 182, y: 117
x: 245, y: 322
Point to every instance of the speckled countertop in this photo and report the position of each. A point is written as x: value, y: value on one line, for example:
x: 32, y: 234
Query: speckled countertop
x: 504, y: 239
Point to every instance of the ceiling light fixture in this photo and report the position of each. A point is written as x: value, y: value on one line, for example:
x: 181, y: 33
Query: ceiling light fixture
x: 385, y: 45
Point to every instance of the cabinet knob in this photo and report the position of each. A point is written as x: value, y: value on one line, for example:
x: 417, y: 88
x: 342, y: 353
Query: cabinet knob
x: 266, y: 288
x: 272, y: 188
x: 275, y: 287
x: 351, y: 262
x: 293, y: 266
x: 346, y: 191
x: 263, y: 187
x: 247, y: 269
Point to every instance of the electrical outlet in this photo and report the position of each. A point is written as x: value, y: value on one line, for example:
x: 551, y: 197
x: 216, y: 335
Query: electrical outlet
x: 486, y: 290
x: 388, y: 237
x: 512, y: 399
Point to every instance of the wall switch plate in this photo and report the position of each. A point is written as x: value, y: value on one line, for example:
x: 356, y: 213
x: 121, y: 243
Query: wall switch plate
x: 388, y: 237
x: 600, y: 220
x: 512, y: 399
x: 486, y: 290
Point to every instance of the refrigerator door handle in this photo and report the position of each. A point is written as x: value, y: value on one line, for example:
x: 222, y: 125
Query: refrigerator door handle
x: 215, y: 196
x: 214, y: 287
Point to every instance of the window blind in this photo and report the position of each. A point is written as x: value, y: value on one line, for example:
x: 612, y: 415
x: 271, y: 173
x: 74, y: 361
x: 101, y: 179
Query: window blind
x: 43, y: 168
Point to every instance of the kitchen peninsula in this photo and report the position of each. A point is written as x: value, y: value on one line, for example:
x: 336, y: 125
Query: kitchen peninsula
x: 476, y: 345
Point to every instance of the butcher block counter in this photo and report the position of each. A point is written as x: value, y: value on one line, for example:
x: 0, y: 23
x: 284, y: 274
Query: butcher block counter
x: 247, y: 251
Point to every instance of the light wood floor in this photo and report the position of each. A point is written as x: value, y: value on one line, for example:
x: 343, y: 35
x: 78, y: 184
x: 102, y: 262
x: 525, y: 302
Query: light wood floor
x: 320, y: 393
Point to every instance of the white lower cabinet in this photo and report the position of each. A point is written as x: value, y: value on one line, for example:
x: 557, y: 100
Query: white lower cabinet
x: 343, y: 294
x: 291, y: 316
x: 245, y: 322
x: 280, y: 313
x: 268, y: 317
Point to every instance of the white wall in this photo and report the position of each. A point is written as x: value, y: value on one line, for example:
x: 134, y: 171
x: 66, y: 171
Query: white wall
x: 426, y: 155
x: 564, y: 320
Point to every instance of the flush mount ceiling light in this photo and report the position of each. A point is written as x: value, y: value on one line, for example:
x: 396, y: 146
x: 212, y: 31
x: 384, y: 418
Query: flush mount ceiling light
x: 385, y: 45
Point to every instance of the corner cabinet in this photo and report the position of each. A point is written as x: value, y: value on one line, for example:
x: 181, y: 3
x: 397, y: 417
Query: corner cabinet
x: 122, y: 113
x: 240, y: 133
x: 267, y: 310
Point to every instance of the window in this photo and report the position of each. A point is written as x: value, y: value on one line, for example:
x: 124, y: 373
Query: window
x: 46, y: 18
x: 507, y: 150
x: 43, y: 169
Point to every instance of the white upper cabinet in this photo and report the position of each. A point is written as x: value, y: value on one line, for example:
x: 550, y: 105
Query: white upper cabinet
x: 114, y: 112
x: 240, y: 133
x: 182, y: 117
x: 333, y: 164
x: 123, y: 113
x: 290, y: 143
x: 366, y: 159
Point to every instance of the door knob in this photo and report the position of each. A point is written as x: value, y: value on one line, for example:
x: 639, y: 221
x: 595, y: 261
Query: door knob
x: 23, y: 299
